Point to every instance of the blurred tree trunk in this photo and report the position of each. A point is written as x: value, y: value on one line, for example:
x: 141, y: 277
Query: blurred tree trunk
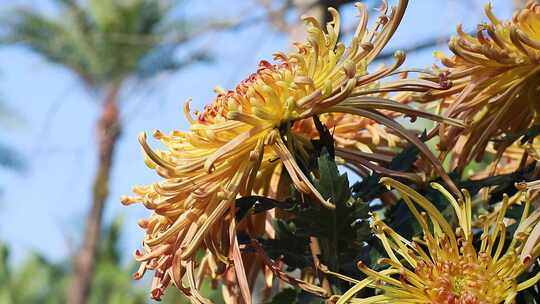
x: 107, y: 134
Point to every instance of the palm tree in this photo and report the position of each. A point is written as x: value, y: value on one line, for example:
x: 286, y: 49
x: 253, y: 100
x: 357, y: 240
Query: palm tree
x: 105, y: 43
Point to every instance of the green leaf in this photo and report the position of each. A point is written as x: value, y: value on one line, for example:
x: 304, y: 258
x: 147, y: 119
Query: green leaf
x: 335, y: 187
x: 331, y: 184
x: 289, y: 244
x: 326, y: 140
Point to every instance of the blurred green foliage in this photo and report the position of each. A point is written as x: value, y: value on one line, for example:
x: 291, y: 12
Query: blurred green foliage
x: 40, y: 281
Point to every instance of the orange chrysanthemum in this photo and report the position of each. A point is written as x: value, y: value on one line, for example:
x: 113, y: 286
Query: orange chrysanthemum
x: 245, y: 142
x: 495, y: 76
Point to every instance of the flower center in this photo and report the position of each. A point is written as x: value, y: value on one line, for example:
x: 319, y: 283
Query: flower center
x: 460, y: 282
x: 458, y: 285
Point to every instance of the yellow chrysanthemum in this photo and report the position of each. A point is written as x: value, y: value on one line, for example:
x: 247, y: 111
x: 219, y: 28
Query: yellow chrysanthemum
x: 243, y: 143
x: 495, y: 76
x: 443, y: 266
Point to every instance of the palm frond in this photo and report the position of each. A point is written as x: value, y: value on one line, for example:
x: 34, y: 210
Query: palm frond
x: 105, y: 41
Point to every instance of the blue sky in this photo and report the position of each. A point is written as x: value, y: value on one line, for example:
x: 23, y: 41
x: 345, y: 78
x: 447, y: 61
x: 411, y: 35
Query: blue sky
x: 43, y: 209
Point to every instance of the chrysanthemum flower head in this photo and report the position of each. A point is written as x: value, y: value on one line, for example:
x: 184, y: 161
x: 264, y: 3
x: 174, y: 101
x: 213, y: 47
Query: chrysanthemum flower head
x: 449, y: 266
x: 246, y: 139
x: 495, y: 76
